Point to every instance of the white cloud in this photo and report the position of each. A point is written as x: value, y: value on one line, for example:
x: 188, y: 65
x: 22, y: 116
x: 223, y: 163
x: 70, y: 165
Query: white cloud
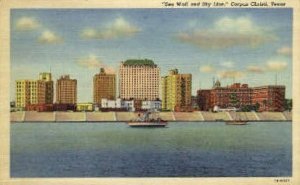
x: 207, y: 69
x: 255, y: 69
x: 230, y: 74
x: 227, y: 64
x: 119, y: 28
x: 27, y: 24
x: 49, y: 37
x: 285, y: 50
x: 93, y: 62
x: 228, y: 32
x: 276, y: 65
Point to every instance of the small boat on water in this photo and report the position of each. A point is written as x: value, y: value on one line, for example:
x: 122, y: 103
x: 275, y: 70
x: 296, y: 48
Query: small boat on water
x: 237, y: 122
x: 148, y: 119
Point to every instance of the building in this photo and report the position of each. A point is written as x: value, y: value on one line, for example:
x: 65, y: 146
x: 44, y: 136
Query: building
x: 236, y: 95
x: 267, y: 98
x: 117, y: 105
x: 34, y: 91
x: 113, y: 104
x: 104, y: 86
x: 26, y: 93
x: 45, y: 89
x: 177, y: 91
x: 129, y: 105
x: 139, y: 80
x: 150, y: 105
x: 82, y: 107
x: 66, y: 90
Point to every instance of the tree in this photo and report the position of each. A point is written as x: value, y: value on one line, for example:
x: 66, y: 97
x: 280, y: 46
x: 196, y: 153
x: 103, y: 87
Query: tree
x: 288, y: 104
x: 233, y: 100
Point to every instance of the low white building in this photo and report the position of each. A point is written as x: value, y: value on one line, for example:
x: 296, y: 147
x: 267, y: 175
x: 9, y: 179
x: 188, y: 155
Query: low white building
x: 117, y: 104
x: 128, y: 105
x: 113, y: 104
x: 147, y: 104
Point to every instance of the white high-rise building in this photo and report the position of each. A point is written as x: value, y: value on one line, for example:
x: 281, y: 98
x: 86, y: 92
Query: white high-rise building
x: 139, y: 80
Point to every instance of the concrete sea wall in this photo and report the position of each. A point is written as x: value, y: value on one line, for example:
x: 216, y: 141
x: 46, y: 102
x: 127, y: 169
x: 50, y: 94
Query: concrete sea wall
x: 31, y: 116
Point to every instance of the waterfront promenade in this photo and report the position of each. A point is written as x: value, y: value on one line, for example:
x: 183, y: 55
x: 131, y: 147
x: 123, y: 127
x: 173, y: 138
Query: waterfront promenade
x: 196, y: 116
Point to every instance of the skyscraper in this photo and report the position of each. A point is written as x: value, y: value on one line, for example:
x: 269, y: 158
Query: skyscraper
x: 45, y: 89
x: 26, y: 93
x: 34, y: 91
x: 104, y: 86
x: 139, y: 79
x: 66, y: 90
x: 176, y: 91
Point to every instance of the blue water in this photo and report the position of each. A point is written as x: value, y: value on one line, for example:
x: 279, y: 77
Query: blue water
x: 181, y: 150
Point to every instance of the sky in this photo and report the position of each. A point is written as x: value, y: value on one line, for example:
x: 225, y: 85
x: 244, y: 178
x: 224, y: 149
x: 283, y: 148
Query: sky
x: 233, y: 45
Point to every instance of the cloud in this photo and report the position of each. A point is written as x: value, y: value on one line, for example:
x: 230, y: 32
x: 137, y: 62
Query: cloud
x: 285, y: 50
x: 49, y: 37
x: 276, y: 66
x: 93, y: 62
x: 228, y: 32
x: 27, y: 24
x: 119, y: 28
x: 227, y: 64
x: 207, y: 69
x: 255, y: 69
x: 230, y: 74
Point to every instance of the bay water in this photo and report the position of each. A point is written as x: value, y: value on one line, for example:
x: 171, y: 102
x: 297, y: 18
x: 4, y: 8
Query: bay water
x: 183, y: 149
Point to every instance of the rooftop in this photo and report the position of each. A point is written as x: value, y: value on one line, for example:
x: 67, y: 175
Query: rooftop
x: 139, y: 62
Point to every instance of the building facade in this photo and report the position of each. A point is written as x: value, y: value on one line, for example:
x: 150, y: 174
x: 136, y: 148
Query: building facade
x: 177, y: 91
x: 45, y: 89
x: 34, y: 91
x: 139, y: 80
x: 26, y: 93
x: 104, y: 86
x: 267, y: 98
x: 66, y: 90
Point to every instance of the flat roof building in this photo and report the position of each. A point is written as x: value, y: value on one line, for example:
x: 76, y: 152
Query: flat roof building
x: 139, y: 80
x: 104, y: 86
x: 66, y: 90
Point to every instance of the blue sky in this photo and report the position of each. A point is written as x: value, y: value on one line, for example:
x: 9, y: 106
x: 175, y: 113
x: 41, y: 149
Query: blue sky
x: 234, y: 45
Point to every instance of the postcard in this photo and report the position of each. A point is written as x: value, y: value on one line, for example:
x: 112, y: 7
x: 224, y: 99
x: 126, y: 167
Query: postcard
x: 161, y: 92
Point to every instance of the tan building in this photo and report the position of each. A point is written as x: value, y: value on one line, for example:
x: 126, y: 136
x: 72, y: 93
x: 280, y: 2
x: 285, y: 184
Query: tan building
x: 26, y: 93
x: 177, y: 91
x: 139, y: 79
x: 34, y: 91
x: 104, y: 86
x: 45, y: 89
x: 66, y: 90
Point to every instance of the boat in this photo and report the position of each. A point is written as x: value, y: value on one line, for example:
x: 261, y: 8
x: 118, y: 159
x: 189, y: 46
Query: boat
x: 236, y: 120
x: 148, y: 119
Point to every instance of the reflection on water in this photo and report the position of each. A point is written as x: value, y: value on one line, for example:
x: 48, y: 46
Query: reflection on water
x: 182, y: 149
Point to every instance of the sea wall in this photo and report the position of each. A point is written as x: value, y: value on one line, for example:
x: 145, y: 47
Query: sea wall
x: 32, y: 116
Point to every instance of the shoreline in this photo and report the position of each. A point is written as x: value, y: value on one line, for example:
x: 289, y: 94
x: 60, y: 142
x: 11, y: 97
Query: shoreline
x: 111, y: 117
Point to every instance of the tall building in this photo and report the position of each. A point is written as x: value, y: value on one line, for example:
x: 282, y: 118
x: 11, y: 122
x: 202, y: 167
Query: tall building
x: 139, y: 80
x: 177, y: 91
x: 268, y: 98
x: 34, y: 91
x: 66, y: 90
x: 104, y: 86
x: 26, y: 93
x: 45, y: 89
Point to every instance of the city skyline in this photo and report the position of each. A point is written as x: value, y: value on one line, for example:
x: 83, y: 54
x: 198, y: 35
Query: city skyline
x: 242, y: 45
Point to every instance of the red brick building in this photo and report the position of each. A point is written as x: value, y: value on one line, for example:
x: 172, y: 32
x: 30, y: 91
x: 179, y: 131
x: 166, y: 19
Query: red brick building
x: 39, y: 107
x: 269, y: 98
